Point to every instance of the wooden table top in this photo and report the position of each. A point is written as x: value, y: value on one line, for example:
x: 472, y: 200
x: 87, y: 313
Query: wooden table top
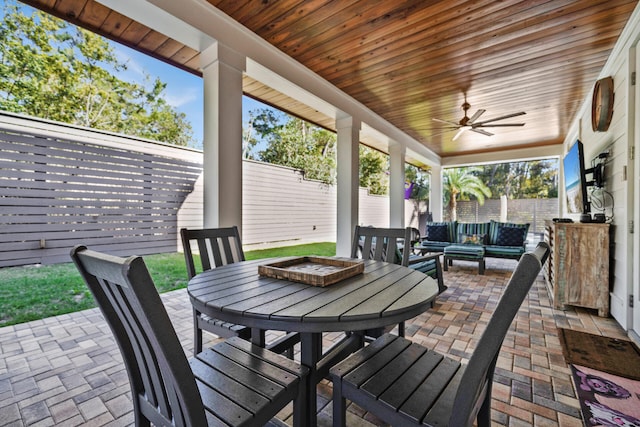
x: 383, y: 295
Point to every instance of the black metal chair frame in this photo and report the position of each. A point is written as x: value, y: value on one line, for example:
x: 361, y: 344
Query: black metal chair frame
x: 406, y: 384
x: 233, y: 383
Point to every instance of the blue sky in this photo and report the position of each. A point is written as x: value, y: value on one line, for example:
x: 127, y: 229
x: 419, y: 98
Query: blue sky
x: 184, y: 90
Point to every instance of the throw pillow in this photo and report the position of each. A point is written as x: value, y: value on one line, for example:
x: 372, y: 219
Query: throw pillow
x: 472, y: 239
x: 438, y: 233
x: 510, y: 236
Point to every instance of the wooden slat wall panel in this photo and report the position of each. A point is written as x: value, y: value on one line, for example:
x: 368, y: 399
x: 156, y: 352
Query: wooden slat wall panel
x: 57, y: 193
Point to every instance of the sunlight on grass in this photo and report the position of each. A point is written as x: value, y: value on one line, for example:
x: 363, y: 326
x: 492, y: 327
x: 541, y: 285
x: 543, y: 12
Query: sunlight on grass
x: 35, y: 292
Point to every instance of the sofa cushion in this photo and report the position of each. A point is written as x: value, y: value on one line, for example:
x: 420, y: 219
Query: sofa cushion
x: 471, y: 239
x: 438, y: 233
x: 495, y: 226
x: 510, y: 252
x: 471, y: 228
x: 451, y: 230
x: 510, y: 236
x: 429, y: 246
x: 465, y: 251
x: 427, y: 267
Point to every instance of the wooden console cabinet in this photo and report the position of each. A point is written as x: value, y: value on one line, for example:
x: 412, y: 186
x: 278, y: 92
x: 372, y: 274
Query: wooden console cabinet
x: 577, y: 271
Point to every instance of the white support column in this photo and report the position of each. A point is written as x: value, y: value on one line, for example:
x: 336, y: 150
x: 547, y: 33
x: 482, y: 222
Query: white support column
x: 222, y: 70
x: 348, y: 163
x: 396, y: 184
x: 435, y: 199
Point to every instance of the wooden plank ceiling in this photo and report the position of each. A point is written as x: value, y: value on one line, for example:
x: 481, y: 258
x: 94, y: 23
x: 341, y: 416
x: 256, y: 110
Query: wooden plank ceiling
x: 411, y: 61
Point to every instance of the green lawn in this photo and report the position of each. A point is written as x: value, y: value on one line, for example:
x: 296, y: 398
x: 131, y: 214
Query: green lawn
x: 35, y: 292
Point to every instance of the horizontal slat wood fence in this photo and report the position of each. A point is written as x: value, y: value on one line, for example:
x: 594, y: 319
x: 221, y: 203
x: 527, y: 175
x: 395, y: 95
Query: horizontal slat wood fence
x: 56, y: 193
x: 62, y: 185
x: 533, y: 211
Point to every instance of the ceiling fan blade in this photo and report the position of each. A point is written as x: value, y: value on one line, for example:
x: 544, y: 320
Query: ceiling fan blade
x: 475, y: 116
x: 501, y: 118
x: 460, y: 132
x: 497, y: 125
x: 434, y: 135
x: 442, y: 128
x: 484, y: 132
x: 457, y: 125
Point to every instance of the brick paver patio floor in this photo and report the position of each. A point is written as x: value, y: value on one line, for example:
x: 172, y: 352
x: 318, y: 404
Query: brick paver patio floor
x: 67, y: 370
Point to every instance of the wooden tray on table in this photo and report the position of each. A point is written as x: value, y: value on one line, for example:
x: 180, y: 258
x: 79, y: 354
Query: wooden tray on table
x: 313, y: 270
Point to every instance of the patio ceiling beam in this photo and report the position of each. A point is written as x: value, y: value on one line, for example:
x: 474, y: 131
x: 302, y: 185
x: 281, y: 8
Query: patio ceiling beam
x: 505, y: 156
x: 161, y: 21
x: 217, y: 25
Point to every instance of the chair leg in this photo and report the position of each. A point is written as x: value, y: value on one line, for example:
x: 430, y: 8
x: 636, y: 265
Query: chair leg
x: 197, y: 333
x: 481, y: 266
x: 484, y: 414
x: 401, y: 329
x: 300, y: 408
x: 339, y: 407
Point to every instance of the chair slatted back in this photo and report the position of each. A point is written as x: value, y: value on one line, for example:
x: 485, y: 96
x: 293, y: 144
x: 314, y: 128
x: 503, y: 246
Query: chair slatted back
x: 479, y: 372
x: 162, y: 383
x: 381, y: 244
x: 217, y: 247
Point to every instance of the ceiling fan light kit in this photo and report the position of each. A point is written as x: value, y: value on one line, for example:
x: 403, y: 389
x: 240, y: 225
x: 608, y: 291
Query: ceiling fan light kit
x: 471, y: 123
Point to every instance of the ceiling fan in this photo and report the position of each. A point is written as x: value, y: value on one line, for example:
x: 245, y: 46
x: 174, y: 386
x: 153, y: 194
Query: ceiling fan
x: 471, y: 123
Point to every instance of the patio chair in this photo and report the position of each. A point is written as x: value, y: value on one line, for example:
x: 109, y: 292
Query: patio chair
x: 382, y: 244
x: 218, y: 247
x: 392, y: 250
x: 233, y: 383
x: 406, y: 384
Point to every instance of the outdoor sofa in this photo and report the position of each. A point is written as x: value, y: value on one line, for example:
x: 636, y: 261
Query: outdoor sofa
x: 475, y: 241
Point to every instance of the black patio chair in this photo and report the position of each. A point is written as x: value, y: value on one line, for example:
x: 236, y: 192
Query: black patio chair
x: 406, y: 384
x: 233, y: 383
x: 218, y: 247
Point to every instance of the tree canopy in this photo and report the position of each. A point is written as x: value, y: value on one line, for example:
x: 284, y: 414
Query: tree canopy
x: 462, y: 182
x: 421, y: 180
x: 293, y: 142
x: 53, y: 70
x: 278, y: 138
x: 522, y: 180
x: 516, y: 180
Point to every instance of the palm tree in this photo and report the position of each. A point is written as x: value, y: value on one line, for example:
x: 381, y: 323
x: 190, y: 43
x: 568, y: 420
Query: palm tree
x: 462, y: 182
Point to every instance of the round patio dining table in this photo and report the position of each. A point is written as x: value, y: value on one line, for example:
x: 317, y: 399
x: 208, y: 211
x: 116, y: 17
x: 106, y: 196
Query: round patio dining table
x: 384, y: 294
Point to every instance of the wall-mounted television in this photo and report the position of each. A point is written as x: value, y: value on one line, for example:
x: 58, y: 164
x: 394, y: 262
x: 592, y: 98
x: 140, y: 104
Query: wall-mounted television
x: 575, y: 181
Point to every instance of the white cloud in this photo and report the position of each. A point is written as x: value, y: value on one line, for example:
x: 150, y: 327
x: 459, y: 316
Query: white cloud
x: 133, y: 67
x: 185, y: 96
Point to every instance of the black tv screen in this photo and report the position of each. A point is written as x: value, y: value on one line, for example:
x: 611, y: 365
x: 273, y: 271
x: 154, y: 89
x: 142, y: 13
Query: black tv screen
x: 574, y: 180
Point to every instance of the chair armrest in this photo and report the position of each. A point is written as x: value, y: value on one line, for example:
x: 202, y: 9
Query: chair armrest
x: 420, y: 258
x: 439, y: 275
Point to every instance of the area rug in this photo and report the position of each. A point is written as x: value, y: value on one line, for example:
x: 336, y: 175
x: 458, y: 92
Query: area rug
x: 605, y: 399
x: 611, y: 355
x: 606, y: 375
